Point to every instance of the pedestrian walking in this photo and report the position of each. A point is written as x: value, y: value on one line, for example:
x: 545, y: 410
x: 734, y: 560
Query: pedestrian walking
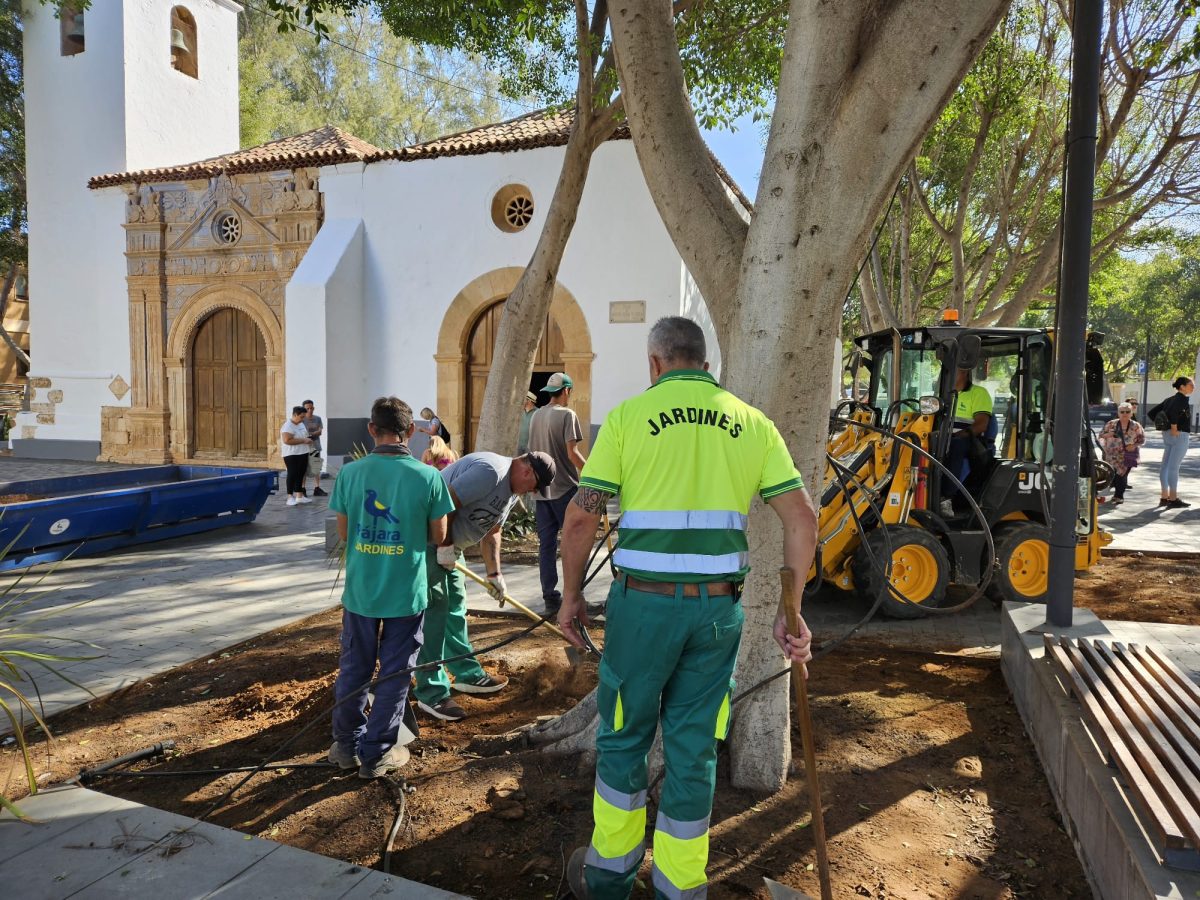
x: 484, y: 487
x: 389, y: 508
x: 1173, y: 417
x: 293, y: 436
x: 1121, y: 439
x: 555, y: 431
x: 316, y: 427
x: 686, y: 458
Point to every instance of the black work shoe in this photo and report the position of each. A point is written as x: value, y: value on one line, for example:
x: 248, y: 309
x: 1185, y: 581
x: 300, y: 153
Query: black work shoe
x: 318, y: 492
x: 447, y: 710
x: 575, y: 880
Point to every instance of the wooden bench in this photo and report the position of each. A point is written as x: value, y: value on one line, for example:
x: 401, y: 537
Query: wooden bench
x: 1144, y: 714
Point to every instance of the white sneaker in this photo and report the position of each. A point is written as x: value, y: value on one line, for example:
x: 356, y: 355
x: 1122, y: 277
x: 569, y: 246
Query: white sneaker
x: 291, y: 501
x: 304, y: 500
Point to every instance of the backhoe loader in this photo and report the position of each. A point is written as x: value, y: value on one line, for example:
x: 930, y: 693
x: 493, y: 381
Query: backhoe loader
x: 892, y: 514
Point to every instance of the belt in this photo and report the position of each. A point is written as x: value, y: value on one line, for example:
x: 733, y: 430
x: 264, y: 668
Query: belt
x: 690, y: 589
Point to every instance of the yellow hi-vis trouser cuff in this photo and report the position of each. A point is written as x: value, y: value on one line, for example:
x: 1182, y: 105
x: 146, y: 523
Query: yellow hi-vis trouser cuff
x: 619, y: 836
x: 680, y: 857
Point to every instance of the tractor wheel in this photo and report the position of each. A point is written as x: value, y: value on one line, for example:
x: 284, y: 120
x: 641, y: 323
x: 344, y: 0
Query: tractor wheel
x: 1022, y: 563
x: 920, y: 570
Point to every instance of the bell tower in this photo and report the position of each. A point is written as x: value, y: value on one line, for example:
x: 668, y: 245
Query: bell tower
x: 122, y: 86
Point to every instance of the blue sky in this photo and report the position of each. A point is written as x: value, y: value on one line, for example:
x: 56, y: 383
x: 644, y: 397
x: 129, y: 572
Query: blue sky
x: 740, y: 150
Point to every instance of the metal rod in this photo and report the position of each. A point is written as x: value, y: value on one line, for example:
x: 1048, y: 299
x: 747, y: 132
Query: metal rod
x: 800, y: 687
x: 1069, y: 344
x: 508, y: 599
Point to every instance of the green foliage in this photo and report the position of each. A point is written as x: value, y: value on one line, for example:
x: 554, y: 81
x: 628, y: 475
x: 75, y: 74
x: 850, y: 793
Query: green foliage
x: 12, y: 138
x: 19, y: 638
x: 730, y: 50
x: 1161, y: 296
x: 977, y: 224
x: 387, y: 90
x: 521, y: 521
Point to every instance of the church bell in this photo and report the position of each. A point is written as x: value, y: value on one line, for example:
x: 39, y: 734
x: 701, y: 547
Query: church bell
x: 179, y: 45
x: 75, y: 34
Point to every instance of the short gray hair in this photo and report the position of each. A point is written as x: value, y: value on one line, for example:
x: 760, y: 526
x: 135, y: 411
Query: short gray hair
x: 677, y: 340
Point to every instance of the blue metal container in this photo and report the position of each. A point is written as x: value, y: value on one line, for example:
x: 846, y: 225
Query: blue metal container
x: 81, y: 515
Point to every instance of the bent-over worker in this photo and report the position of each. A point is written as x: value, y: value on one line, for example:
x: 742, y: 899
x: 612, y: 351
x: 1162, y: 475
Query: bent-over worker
x: 687, y: 459
x: 484, y: 487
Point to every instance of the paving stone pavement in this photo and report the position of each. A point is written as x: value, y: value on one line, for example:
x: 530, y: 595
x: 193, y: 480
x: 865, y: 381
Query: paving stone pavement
x: 161, y: 605
x: 1139, y: 523
x: 82, y: 843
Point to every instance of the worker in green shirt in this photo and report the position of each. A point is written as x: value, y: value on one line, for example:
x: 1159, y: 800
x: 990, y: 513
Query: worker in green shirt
x: 389, y: 507
x: 687, y: 459
x: 972, y: 416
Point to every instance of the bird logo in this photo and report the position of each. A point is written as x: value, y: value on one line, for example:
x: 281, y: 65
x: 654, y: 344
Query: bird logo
x: 377, y: 509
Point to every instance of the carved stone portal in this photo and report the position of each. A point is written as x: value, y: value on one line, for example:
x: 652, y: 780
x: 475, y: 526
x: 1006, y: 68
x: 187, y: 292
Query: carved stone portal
x: 182, y: 268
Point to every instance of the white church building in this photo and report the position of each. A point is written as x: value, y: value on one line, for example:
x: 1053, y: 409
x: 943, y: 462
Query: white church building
x: 185, y: 294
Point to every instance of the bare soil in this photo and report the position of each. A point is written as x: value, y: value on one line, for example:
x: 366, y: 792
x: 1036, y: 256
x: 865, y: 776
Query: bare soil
x: 1141, y: 588
x: 931, y: 787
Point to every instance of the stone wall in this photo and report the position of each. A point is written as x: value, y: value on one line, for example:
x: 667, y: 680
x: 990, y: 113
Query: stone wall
x: 193, y: 248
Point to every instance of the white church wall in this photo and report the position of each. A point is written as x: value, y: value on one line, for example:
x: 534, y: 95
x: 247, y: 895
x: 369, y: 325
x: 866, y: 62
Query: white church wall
x: 429, y: 232
x: 325, y: 294
x: 88, y: 114
x: 173, y: 118
x: 75, y: 125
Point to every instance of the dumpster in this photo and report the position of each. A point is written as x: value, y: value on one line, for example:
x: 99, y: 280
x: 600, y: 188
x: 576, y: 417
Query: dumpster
x: 81, y: 515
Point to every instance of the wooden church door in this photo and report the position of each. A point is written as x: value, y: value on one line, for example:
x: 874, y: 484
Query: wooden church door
x: 229, y: 388
x: 481, y: 346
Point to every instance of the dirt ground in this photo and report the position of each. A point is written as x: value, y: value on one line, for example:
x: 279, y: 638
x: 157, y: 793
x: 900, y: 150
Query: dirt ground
x: 932, y: 789
x: 1142, y: 589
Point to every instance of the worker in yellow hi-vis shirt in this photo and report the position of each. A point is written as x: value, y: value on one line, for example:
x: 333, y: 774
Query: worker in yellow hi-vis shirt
x: 686, y: 458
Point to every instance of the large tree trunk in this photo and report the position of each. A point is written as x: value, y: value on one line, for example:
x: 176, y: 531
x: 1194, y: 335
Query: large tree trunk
x: 524, y: 316
x: 861, y: 83
x: 525, y: 312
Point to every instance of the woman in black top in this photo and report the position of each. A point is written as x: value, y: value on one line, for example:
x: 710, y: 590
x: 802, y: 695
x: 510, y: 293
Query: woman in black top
x: 1176, y: 411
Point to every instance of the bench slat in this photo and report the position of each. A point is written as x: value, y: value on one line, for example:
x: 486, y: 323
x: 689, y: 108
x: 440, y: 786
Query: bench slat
x: 1159, y: 818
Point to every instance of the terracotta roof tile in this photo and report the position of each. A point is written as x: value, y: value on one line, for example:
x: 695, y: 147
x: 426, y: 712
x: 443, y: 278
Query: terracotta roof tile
x: 536, y: 129
x: 330, y: 145
x: 320, y: 147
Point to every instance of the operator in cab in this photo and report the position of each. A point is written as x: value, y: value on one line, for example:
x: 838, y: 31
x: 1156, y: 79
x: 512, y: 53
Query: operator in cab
x: 968, y: 449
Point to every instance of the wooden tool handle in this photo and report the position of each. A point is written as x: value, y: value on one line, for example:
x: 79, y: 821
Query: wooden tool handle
x: 800, y: 686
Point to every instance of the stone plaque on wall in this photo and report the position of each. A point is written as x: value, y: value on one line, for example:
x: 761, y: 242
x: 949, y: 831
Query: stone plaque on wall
x: 627, y: 312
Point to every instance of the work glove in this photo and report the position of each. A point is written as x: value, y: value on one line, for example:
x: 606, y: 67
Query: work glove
x: 447, y: 557
x: 497, y: 587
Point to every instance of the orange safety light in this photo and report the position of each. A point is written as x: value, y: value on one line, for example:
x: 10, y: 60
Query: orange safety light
x: 949, y: 316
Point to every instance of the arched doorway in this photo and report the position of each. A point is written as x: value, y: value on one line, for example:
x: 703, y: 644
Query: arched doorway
x: 229, y: 387
x: 481, y: 345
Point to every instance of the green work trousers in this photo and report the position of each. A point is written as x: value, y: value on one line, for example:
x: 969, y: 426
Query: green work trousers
x: 445, y: 633
x: 670, y: 659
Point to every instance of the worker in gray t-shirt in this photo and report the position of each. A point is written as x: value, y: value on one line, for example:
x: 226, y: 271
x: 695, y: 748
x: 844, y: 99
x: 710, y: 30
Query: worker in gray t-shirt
x: 555, y: 431
x: 484, y: 487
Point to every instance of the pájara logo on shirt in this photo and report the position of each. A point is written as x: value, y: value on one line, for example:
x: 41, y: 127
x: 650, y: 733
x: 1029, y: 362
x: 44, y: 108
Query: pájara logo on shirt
x: 373, y: 537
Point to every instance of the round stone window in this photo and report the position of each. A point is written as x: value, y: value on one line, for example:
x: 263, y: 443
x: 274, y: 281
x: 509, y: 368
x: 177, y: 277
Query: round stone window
x: 227, y: 228
x: 512, y: 208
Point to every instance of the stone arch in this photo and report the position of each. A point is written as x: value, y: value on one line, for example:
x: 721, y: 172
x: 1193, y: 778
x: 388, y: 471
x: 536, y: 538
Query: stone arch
x: 177, y: 361
x: 465, y: 309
